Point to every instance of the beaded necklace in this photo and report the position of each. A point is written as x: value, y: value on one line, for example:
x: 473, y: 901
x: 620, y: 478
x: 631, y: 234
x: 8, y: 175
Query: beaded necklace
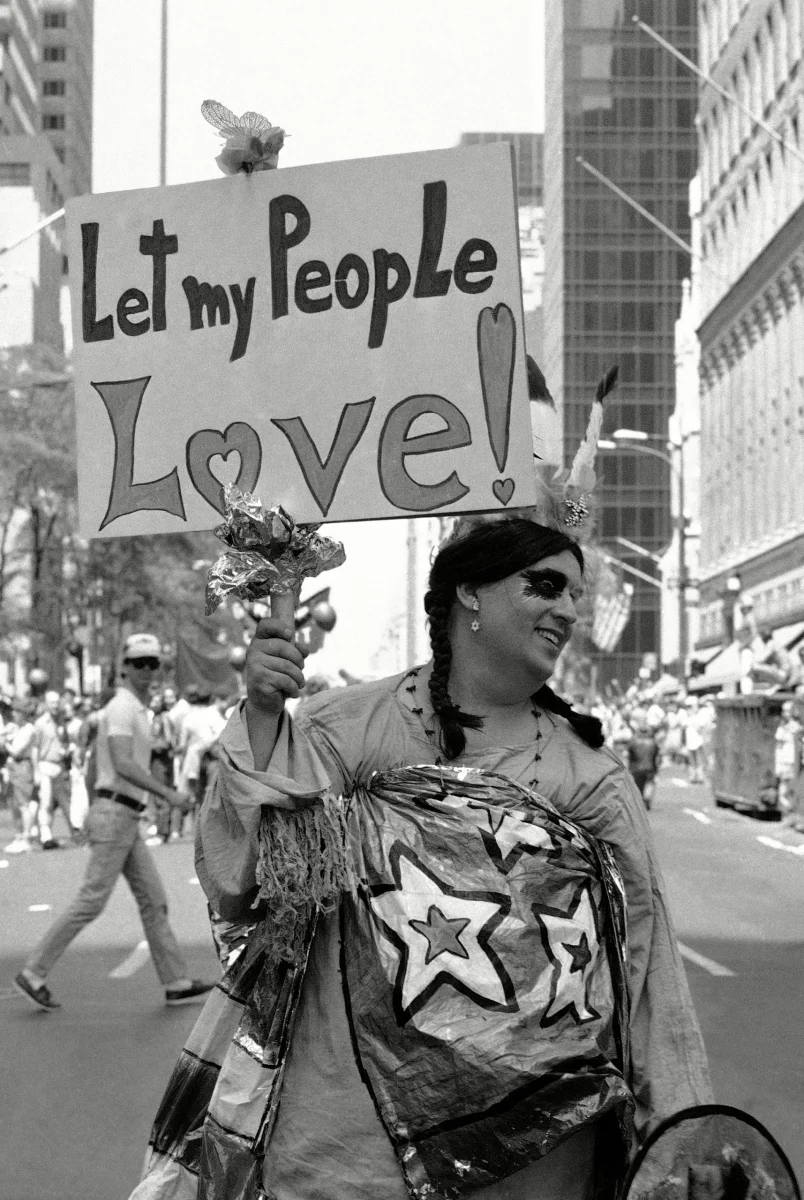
x: 418, y: 710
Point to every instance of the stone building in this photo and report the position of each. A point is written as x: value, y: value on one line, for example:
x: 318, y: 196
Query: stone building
x: 752, y: 318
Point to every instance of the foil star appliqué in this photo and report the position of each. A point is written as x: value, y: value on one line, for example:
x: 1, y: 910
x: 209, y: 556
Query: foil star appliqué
x: 512, y: 834
x: 439, y: 936
x: 571, y: 941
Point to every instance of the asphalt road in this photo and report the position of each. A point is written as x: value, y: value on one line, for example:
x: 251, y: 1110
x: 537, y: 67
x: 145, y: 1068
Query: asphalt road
x: 79, y: 1087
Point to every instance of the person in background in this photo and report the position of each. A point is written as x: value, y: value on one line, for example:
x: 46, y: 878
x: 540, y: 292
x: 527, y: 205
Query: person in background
x: 162, y: 753
x: 673, y: 747
x: 20, y: 772
x: 642, y: 758
x: 655, y: 716
x: 693, y: 741
x: 112, y: 827
x: 795, y: 679
x: 787, y: 755
x: 176, y: 709
x: 620, y: 732
x: 200, y: 729
x: 70, y: 713
x: 51, y: 755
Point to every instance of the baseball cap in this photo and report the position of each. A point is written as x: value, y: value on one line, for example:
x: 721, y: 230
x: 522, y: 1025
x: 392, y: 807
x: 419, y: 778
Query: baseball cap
x: 141, y: 645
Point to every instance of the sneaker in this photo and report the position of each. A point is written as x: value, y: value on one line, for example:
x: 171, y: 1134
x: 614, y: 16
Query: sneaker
x: 191, y: 995
x: 18, y: 846
x: 51, y: 844
x: 40, y: 996
x: 151, y: 831
x: 175, y: 836
x: 153, y: 841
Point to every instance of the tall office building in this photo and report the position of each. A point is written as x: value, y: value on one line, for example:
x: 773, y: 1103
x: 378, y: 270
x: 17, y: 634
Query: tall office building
x: 529, y: 158
x: 66, y: 87
x: 752, y: 316
x: 31, y: 187
x: 20, y: 45
x: 612, y: 281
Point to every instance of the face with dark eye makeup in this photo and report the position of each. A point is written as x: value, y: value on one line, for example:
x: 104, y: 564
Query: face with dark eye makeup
x: 526, y: 619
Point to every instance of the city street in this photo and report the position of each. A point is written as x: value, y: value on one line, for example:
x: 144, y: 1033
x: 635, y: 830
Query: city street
x: 81, y: 1085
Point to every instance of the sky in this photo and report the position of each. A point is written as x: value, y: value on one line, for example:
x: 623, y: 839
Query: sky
x: 345, y: 79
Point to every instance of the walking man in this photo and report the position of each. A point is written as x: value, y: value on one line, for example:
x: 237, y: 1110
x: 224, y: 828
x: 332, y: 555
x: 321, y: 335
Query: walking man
x: 112, y: 829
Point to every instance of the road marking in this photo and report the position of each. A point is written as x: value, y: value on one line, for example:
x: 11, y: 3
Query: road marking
x: 769, y: 841
x: 700, y: 960
x: 774, y: 844
x: 9, y: 994
x: 38, y: 908
x: 699, y: 816
x: 136, y: 959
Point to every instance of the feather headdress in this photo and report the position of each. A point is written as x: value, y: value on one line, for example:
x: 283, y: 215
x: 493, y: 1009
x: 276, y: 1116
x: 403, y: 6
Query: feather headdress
x: 565, y: 496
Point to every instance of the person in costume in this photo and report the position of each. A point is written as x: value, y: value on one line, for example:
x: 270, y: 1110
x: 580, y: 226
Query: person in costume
x: 421, y: 886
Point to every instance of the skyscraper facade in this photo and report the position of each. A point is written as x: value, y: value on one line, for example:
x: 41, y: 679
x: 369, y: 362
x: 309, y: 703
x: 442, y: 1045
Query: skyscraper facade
x: 529, y: 159
x: 20, y: 45
x: 66, y: 88
x: 612, y: 286
x: 752, y: 317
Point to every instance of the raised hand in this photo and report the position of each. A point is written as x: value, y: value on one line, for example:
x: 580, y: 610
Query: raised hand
x: 274, y: 667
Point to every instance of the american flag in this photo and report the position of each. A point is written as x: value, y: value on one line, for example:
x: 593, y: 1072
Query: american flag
x: 611, y: 614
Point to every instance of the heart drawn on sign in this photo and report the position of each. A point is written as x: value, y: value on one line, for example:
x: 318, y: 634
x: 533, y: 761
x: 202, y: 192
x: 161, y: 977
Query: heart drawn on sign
x: 496, y: 353
x: 207, y: 444
x: 503, y: 489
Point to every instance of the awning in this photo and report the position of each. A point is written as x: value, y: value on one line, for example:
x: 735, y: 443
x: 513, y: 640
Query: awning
x: 787, y: 635
x: 706, y: 654
x: 722, y: 670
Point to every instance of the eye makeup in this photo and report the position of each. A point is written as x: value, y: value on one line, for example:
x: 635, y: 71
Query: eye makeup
x: 545, y: 583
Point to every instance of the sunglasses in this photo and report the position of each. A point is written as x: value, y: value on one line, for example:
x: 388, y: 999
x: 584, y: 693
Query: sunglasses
x: 144, y: 664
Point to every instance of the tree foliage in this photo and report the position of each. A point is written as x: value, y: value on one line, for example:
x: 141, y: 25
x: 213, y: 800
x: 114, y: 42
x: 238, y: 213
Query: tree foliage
x: 53, y: 585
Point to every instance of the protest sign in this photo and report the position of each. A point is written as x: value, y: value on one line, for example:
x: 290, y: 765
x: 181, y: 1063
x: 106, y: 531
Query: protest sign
x: 344, y: 339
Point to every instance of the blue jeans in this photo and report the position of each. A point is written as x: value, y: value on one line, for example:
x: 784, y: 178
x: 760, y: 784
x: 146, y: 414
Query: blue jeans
x: 116, y: 849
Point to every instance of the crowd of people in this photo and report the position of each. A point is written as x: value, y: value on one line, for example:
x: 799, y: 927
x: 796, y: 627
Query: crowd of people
x: 48, y: 765
x: 648, y: 733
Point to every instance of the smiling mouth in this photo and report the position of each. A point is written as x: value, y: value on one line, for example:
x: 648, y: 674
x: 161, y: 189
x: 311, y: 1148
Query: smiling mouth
x: 551, y: 636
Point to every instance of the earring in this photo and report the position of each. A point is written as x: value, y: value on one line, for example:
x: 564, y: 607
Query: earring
x: 476, y: 608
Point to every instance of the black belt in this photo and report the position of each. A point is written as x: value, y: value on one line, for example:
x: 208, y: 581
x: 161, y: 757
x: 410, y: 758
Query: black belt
x: 121, y: 799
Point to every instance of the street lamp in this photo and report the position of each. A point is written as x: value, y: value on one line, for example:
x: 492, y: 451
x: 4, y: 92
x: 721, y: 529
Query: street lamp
x: 634, y: 440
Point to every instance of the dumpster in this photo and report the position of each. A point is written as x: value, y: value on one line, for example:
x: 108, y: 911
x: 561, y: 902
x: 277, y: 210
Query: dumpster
x: 743, y: 774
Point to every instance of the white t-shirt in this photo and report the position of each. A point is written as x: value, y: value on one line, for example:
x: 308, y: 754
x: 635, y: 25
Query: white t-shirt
x: 123, y: 716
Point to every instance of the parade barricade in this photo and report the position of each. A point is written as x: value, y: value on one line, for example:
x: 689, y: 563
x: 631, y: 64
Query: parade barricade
x: 744, y: 776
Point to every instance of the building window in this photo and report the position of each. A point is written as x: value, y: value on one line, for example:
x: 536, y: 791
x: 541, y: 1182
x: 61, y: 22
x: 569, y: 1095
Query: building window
x: 595, y: 62
x: 15, y: 174
x: 55, y: 53
x: 55, y: 20
x: 53, y: 87
x: 53, y: 121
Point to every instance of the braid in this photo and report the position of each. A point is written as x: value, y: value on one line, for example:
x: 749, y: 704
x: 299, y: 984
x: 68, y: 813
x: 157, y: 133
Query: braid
x: 438, y: 604
x: 588, y: 728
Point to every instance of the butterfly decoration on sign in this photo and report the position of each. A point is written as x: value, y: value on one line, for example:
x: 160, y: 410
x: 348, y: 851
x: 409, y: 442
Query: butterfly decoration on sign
x: 251, y: 143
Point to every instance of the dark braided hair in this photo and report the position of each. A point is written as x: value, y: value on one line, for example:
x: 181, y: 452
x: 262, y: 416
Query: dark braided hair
x: 488, y: 553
